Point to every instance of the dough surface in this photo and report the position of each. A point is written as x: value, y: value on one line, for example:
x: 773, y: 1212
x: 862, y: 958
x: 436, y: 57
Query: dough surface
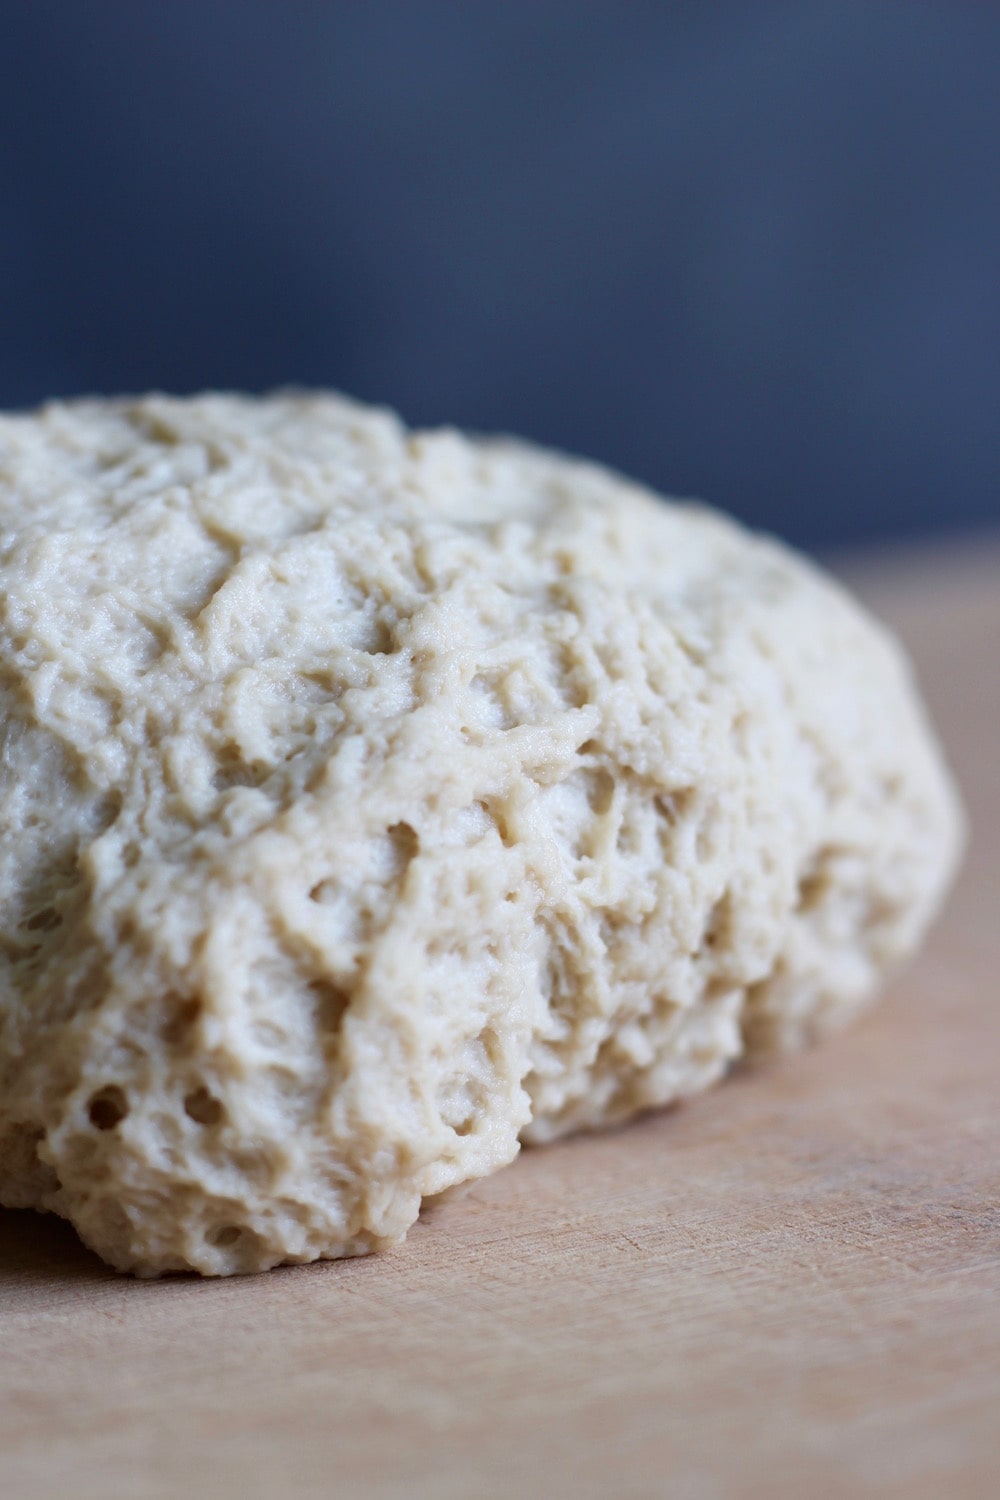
x: 375, y: 800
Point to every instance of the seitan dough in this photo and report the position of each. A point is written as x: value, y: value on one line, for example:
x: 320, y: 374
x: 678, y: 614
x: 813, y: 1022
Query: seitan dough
x: 374, y: 801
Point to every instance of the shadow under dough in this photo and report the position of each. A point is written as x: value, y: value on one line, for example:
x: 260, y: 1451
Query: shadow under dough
x: 43, y: 1248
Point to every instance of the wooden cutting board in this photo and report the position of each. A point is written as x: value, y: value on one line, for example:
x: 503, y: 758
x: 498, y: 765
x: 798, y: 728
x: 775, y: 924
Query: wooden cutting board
x: 789, y: 1287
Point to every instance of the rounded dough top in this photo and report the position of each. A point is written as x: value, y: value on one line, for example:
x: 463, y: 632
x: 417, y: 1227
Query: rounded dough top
x: 374, y: 800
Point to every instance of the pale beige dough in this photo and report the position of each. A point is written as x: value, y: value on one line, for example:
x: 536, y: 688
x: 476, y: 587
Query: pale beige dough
x: 376, y: 800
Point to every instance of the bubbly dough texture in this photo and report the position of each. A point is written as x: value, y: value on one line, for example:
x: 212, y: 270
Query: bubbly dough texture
x: 374, y: 801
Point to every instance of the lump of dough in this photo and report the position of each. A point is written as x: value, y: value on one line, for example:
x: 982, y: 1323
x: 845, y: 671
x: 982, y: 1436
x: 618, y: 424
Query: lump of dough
x: 374, y: 801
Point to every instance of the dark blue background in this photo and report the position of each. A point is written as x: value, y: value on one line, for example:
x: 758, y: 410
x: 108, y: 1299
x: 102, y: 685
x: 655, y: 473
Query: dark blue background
x: 748, y: 251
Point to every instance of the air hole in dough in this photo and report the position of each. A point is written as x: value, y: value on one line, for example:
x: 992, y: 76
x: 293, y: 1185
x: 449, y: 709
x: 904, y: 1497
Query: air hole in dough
x: 203, y: 1107
x: 107, y: 1108
x: 43, y: 921
x: 183, y: 1014
x: 405, y: 841
x: 227, y: 1235
x: 331, y: 1002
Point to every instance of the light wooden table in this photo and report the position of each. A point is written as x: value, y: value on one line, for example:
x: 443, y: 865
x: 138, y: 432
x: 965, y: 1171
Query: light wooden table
x: 789, y: 1287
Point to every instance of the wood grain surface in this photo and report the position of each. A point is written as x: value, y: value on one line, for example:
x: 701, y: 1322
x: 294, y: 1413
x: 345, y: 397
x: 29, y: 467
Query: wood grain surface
x: 788, y: 1287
